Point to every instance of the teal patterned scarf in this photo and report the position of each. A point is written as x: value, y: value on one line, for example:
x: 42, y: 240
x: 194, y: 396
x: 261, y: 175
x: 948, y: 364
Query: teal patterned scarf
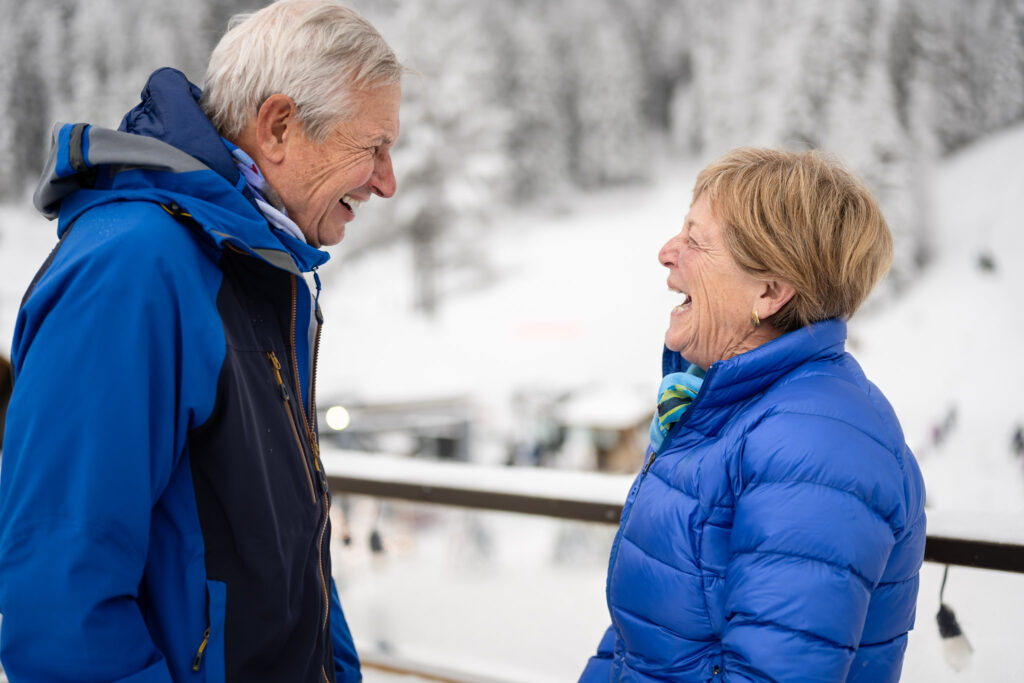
x: 676, y: 393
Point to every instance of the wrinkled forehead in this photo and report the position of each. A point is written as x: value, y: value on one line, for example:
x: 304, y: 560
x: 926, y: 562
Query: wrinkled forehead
x: 374, y: 111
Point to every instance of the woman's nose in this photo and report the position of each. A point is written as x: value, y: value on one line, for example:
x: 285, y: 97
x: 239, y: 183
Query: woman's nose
x: 667, y: 255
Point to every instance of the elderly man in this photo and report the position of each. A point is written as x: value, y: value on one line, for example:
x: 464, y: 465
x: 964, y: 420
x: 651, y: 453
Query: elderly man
x: 163, y: 509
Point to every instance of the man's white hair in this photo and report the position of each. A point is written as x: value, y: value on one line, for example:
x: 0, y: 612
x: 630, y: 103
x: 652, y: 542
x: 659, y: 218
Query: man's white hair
x: 318, y: 52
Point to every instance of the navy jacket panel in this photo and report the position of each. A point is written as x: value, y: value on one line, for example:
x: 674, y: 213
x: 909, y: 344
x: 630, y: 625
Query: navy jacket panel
x: 266, y: 533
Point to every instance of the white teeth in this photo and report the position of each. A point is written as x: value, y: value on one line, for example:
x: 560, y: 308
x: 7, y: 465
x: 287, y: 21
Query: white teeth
x: 686, y: 298
x: 352, y: 203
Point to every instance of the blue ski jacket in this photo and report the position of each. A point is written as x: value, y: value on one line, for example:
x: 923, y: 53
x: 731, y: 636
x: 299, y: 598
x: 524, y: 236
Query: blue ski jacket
x: 778, y: 533
x: 163, y: 510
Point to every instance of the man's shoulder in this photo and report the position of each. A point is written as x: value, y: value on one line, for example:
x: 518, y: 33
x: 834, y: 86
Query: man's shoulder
x: 125, y: 249
x: 137, y: 234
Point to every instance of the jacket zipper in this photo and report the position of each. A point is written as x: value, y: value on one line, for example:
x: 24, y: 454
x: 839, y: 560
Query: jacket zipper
x: 636, y: 496
x: 650, y: 461
x: 197, y: 661
x: 615, y: 550
x: 313, y: 447
x: 286, y: 400
x: 308, y: 419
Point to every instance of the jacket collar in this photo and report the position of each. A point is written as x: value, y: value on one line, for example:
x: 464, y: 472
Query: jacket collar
x: 165, y: 151
x: 732, y: 381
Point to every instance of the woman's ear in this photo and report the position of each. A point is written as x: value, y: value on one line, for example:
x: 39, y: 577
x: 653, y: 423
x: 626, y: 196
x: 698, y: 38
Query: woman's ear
x: 774, y: 295
x: 276, y: 122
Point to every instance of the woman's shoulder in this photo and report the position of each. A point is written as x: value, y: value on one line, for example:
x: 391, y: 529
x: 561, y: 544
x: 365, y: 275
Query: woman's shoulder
x: 827, y: 425
x: 833, y: 390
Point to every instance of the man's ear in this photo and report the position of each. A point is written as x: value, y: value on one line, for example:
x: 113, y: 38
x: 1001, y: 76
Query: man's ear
x: 774, y: 295
x: 276, y: 122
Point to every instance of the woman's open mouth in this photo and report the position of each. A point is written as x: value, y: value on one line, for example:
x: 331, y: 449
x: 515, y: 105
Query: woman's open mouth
x: 679, y: 308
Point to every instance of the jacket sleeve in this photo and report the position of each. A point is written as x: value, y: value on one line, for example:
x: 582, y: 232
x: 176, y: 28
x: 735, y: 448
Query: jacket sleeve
x: 346, y: 661
x: 92, y: 435
x: 812, y: 533
x: 599, y: 667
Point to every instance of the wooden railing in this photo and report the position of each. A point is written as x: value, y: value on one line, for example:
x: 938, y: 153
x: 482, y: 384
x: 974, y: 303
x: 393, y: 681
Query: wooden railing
x: 979, y: 540
x: 976, y: 540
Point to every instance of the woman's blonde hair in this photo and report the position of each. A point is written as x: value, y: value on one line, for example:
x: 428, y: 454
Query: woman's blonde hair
x: 801, y: 217
x: 318, y: 52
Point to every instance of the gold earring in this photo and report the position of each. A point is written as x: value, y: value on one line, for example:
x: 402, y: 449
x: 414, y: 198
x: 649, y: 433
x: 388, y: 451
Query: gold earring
x: 754, y: 318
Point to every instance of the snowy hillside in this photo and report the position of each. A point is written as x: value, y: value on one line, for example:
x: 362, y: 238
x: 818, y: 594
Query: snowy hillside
x: 954, y: 341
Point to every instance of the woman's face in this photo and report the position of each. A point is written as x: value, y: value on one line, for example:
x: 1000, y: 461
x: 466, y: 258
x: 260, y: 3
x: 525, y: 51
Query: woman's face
x: 713, y: 320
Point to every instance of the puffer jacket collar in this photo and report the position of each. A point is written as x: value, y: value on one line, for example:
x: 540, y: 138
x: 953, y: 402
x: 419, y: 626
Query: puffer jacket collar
x: 731, y: 382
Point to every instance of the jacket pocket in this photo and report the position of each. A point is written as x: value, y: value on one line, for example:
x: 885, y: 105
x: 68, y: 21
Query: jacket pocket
x: 209, y: 657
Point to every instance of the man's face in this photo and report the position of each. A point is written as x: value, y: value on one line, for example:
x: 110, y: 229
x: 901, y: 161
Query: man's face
x: 322, y: 184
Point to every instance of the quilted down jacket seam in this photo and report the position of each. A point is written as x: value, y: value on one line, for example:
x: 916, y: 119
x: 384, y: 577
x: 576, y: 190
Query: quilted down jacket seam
x: 806, y: 482
x: 810, y: 558
x: 787, y: 411
x: 806, y: 634
x: 660, y: 627
x: 696, y: 575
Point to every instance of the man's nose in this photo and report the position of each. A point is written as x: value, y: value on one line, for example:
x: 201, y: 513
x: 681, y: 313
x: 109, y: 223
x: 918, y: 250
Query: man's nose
x: 383, y: 182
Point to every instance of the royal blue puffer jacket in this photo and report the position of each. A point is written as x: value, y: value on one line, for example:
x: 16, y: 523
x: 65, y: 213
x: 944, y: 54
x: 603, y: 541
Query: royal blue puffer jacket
x: 778, y: 534
x: 163, y: 512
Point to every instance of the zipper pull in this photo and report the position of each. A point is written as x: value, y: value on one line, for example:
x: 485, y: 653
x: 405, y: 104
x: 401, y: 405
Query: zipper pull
x: 650, y: 461
x: 320, y: 474
x: 198, y: 660
x: 316, y: 299
x: 277, y: 372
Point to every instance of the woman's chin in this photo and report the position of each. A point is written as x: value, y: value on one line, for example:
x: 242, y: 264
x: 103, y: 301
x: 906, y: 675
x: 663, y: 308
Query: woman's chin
x: 673, y: 344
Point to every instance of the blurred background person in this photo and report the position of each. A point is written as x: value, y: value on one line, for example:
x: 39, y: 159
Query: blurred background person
x: 777, y: 529
x: 6, y: 386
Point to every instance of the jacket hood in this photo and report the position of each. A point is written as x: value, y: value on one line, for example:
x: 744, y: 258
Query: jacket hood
x: 165, y: 151
x: 166, y: 114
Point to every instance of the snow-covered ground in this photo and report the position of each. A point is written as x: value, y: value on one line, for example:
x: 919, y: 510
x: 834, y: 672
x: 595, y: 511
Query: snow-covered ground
x: 580, y: 304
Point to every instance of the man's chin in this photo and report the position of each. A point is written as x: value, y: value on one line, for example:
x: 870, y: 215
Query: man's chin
x: 328, y: 238
x: 338, y: 236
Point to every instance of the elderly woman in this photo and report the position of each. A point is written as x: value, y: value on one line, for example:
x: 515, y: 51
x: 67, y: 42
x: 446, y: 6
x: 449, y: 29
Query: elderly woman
x: 777, y: 528
x: 163, y: 508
